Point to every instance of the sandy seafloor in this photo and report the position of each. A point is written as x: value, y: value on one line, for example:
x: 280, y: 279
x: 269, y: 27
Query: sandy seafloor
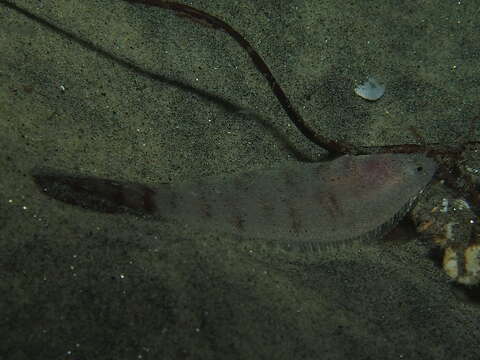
x: 109, y: 89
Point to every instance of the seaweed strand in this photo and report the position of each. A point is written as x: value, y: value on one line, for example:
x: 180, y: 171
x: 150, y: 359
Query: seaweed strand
x: 334, y: 147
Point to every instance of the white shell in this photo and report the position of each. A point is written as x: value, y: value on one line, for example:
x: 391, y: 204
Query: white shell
x: 370, y: 90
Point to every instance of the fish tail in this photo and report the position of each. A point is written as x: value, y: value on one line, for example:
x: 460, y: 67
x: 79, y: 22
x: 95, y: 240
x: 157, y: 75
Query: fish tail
x: 102, y: 195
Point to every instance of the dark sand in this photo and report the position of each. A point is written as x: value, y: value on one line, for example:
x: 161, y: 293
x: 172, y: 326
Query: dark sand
x: 109, y: 89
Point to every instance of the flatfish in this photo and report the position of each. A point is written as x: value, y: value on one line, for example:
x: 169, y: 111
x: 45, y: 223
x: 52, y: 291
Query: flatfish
x: 325, y: 203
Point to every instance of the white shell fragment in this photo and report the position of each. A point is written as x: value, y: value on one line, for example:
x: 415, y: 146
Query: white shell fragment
x: 370, y: 90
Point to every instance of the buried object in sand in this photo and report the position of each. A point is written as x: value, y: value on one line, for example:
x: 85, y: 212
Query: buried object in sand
x: 370, y: 90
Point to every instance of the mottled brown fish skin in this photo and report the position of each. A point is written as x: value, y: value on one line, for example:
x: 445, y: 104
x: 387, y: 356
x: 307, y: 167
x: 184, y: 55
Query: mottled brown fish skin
x: 352, y: 197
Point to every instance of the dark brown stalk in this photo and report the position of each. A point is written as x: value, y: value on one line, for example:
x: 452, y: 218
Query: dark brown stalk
x: 198, y: 16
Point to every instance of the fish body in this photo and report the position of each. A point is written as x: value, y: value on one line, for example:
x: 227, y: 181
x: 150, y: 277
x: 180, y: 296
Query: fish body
x: 311, y: 204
